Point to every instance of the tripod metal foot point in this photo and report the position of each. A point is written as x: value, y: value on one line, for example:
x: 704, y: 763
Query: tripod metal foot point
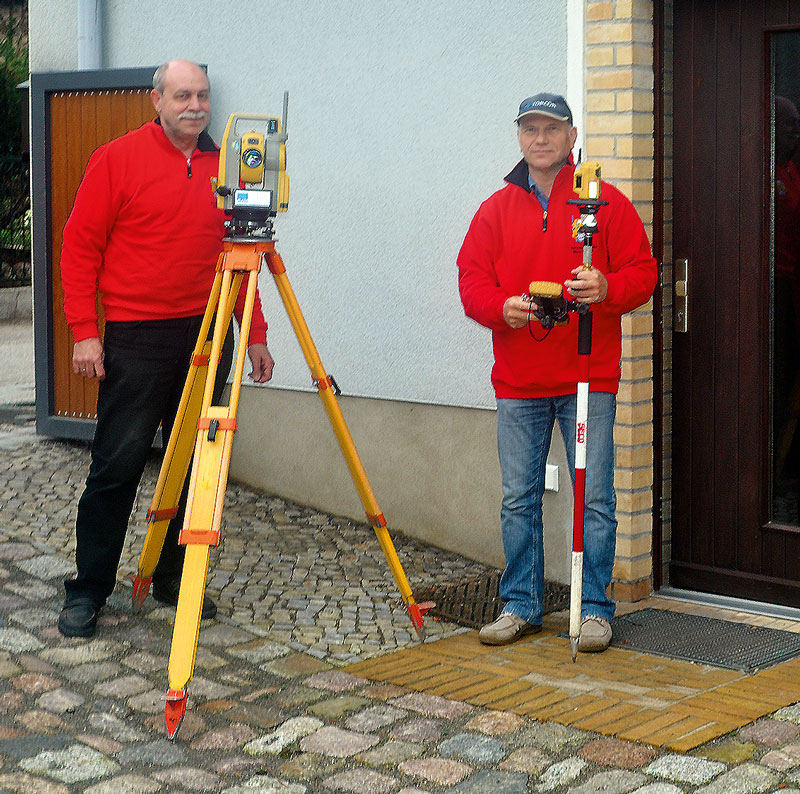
x: 175, y: 710
x: 416, y: 612
x: 141, y: 587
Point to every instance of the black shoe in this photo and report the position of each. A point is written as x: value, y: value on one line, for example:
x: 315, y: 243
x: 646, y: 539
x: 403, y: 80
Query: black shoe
x: 167, y: 593
x: 78, y: 617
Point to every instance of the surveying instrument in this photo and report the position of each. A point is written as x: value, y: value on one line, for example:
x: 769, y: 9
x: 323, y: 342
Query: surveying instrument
x: 252, y: 187
x: 553, y: 309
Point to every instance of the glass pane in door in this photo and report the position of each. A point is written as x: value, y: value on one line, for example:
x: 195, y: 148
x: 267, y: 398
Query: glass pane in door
x: 785, y: 228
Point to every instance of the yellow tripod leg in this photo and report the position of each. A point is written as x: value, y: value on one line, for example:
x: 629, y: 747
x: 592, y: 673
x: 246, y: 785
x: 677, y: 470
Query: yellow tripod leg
x: 201, y: 531
x: 326, y: 386
x: 202, y: 525
x: 178, y: 454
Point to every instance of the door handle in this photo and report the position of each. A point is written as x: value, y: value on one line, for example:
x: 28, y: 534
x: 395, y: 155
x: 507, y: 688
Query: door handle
x: 680, y: 303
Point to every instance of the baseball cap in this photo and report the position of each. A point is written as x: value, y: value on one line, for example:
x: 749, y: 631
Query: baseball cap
x: 552, y: 105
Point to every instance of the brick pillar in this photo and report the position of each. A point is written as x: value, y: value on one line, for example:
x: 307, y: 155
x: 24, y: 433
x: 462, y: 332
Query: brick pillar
x: 619, y: 134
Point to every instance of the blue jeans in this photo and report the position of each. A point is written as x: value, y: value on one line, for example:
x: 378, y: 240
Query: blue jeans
x: 524, y: 429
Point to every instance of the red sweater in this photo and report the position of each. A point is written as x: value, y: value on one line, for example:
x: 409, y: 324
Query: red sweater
x: 511, y: 242
x: 145, y: 233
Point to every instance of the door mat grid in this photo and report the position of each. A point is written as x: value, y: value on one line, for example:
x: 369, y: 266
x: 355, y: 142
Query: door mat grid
x: 722, y: 643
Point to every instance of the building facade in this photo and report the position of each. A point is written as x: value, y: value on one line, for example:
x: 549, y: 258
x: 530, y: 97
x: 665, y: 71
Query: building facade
x: 400, y: 123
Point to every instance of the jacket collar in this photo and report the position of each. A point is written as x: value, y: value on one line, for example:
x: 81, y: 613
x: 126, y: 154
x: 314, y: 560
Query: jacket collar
x: 205, y: 143
x: 519, y: 174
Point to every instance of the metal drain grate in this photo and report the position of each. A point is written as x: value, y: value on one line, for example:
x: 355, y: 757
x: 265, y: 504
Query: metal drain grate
x: 476, y: 601
x: 720, y: 643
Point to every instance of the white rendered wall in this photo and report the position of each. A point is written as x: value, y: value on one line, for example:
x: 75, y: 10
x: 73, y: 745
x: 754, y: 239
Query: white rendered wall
x: 400, y: 124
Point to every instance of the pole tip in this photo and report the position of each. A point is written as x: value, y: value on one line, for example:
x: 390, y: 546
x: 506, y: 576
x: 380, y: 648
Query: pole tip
x: 573, y: 644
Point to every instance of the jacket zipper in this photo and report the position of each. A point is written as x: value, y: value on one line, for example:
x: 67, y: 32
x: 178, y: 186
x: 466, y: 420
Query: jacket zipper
x: 188, y: 167
x: 544, y: 219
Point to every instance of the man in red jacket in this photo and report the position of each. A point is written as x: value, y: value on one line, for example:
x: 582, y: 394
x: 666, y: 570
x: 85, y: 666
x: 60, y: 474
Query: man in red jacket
x: 527, y: 232
x: 145, y: 234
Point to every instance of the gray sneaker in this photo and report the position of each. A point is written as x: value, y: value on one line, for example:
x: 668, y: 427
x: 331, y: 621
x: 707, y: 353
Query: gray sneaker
x: 505, y: 629
x: 595, y: 634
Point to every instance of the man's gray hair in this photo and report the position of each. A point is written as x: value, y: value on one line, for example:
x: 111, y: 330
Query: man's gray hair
x: 160, y: 74
x: 158, y: 77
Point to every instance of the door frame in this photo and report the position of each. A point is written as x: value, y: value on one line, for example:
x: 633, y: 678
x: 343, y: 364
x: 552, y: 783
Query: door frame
x: 658, y: 243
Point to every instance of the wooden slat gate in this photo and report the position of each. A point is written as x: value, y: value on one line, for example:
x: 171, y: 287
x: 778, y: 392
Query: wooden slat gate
x: 72, y: 113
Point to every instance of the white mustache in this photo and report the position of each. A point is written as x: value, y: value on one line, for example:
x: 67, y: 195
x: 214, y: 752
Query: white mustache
x: 193, y: 115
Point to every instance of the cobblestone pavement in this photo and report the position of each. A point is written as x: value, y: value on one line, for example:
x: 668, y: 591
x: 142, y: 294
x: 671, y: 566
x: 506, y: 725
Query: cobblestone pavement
x: 301, y: 593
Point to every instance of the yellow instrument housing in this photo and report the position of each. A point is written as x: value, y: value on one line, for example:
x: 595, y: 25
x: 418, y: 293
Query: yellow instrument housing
x: 586, y: 181
x: 252, y: 164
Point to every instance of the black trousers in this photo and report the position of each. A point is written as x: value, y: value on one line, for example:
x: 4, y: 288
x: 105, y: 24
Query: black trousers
x: 146, y: 364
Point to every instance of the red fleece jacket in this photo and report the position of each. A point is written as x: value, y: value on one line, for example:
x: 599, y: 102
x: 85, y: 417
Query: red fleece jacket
x: 145, y: 233
x: 511, y: 242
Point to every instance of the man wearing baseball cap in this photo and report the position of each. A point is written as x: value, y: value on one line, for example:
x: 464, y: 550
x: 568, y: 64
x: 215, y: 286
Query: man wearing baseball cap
x: 526, y: 232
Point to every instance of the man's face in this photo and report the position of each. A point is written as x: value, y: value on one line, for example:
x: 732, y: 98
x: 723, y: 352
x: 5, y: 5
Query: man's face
x: 184, y: 107
x: 545, y: 143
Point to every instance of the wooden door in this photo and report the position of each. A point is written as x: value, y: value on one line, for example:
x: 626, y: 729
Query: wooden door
x: 73, y: 113
x: 80, y: 121
x: 727, y: 537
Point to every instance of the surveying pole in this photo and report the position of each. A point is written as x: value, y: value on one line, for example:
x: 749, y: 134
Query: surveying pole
x: 587, y: 185
x: 252, y: 187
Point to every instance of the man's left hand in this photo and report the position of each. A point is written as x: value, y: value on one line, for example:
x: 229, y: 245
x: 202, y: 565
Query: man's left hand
x: 588, y: 286
x: 262, y: 363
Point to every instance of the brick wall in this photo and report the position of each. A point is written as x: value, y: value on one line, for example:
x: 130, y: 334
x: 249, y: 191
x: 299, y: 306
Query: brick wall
x: 619, y: 134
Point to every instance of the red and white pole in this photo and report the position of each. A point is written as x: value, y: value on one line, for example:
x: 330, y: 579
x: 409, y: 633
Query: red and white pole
x: 581, y: 427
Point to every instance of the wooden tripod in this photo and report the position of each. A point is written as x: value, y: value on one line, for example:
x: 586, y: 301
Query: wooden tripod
x: 208, y: 430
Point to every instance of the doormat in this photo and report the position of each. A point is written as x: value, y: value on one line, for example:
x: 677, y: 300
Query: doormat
x: 720, y: 643
x: 476, y: 601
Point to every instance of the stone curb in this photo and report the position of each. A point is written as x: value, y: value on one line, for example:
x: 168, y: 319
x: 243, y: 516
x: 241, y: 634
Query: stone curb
x: 16, y: 304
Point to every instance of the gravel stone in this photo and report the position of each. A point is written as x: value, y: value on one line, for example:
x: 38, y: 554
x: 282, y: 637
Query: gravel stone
x: 362, y: 781
x: 18, y: 641
x: 263, y: 784
x: 685, y: 769
x: 561, y: 773
x: 125, y: 784
x: 283, y: 735
x: 71, y: 765
x: 492, y: 781
x: 441, y: 771
x: 337, y: 742
x: 161, y: 752
x: 372, y: 719
x: 614, y: 781
x: 476, y: 748
x: 744, y: 779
